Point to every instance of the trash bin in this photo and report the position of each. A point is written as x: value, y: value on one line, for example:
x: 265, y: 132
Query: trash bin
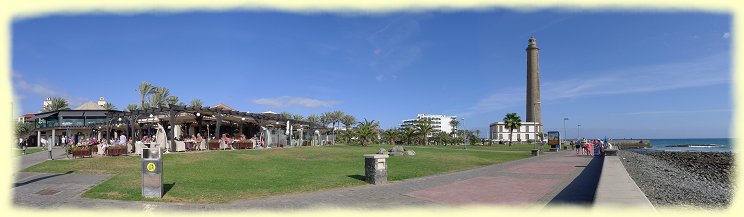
x: 152, y: 174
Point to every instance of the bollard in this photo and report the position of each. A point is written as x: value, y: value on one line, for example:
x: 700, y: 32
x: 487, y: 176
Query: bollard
x: 152, y: 174
x: 535, y: 152
x: 375, y: 168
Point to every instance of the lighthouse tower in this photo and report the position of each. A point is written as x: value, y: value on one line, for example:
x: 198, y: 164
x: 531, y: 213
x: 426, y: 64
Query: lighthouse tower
x: 533, y: 82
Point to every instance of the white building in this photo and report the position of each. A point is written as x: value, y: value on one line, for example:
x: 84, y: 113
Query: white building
x: 439, y: 122
x: 524, y: 133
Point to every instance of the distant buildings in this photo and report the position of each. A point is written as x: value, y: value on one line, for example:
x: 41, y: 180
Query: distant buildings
x: 439, y: 122
x: 526, y: 132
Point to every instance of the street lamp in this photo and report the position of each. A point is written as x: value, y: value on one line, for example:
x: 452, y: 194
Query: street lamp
x: 564, y: 131
x: 463, y: 126
x: 578, y: 131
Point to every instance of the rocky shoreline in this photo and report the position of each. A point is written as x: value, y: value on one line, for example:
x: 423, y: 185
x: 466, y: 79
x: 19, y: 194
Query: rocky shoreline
x: 698, y: 179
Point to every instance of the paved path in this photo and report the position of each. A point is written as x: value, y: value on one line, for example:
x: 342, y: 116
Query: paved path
x: 538, y: 181
x: 38, y: 157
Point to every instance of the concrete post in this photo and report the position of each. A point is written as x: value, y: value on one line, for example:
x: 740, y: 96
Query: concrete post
x: 375, y: 168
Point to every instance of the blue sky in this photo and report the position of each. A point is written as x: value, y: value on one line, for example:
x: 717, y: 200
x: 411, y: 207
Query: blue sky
x: 618, y: 74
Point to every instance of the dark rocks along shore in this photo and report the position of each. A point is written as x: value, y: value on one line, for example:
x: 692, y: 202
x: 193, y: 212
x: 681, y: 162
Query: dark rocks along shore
x: 699, y: 179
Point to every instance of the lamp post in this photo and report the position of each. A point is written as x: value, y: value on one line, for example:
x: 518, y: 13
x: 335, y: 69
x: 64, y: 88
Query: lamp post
x: 563, y: 138
x: 463, y: 126
x: 578, y: 131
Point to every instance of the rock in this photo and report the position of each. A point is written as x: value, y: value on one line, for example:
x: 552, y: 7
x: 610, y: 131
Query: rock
x: 410, y: 153
x: 397, y: 148
x: 382, y: 151
x: 396, y: 153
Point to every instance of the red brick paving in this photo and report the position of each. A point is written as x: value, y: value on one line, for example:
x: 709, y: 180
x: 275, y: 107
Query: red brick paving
x: 489, y: 190
x: 513, y: 185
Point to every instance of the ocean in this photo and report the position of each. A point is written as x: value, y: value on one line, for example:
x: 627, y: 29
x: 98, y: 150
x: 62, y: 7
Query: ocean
x: 703, y: 145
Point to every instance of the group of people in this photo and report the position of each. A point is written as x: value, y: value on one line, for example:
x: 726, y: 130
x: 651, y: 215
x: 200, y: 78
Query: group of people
x: 594, y: 147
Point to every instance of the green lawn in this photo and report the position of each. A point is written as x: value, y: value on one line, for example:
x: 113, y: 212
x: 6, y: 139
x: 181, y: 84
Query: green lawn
x: 29, y: 150
x: 494, y: 147
x: 224, y: 176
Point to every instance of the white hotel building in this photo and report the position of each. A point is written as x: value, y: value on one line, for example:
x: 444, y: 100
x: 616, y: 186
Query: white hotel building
x: 524, y: 133
x: 439, y: 122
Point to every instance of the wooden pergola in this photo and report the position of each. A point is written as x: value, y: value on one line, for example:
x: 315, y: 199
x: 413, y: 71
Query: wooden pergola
x: 175, y: 115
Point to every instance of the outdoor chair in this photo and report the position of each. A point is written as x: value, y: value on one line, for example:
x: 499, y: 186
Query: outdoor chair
x: 180, y: 146
x: 138, y: 148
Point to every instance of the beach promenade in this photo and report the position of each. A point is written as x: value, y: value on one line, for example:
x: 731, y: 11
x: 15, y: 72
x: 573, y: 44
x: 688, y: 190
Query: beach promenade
x: 552, y: 179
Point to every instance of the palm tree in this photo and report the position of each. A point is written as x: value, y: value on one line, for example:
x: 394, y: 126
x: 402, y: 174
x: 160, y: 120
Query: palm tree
x: 441, y: 137
x: 454, y: 123
x: 366, y: 130
x: 109, y: 106
x: 131, y: 107
x: 297, y: 117
x: 424, y: 127
x: 196, y: 103
x: 159, y: 95
x: 145, y: 89
x: 348, y: 120
x: 172, y: 100
x: 285, y: 115
x: 408, y: 134
x: 58, y: 103
x: 325, y: 118
x: 477, y: 133
x: 315, y: 119
x: 512, y: 121
x: 390, y: 135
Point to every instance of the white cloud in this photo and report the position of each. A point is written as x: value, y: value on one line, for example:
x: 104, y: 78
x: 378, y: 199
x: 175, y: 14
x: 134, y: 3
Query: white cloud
x: 705, y: 71
x: 678, y: 112
x: 379, y: 77
x: 284, y: 101
x: 23, y: 88
x: 726, y: 35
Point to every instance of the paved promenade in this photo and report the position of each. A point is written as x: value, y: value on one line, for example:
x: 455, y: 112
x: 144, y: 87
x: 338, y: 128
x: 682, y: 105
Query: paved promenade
x: 551, y: 179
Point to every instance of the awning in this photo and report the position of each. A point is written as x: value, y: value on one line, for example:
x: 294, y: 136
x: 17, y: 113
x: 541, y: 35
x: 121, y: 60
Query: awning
x: 71, y: 114
x: 44, y: 115
x: 95, y: 113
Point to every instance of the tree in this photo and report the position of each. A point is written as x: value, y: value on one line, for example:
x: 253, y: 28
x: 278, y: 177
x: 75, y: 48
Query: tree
x: 424, y: 127
x: 512, y: 121
x: 23, y: 128
x: 454, y: 123
x: 196, y: 103
x: 58, y: 103
x: 109, y: 106
x: 477, y: 133
x: 315, y: 119
x: 390, y: 135
x: 145, y: 89
x: 366, y: 131
x: 131, y: 107
x: 159, y: 96
x: 285, y: 115
x: 325, y: 119
x: 172, y: 100
x: 297, y: 117
x: 408, y: 133
x: 441, y: 138
x: 348, y: 120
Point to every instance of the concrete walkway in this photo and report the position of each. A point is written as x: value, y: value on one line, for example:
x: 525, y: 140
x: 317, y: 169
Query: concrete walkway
x: 29, y: 160
x: 554, y: 178
x: 617, y: 188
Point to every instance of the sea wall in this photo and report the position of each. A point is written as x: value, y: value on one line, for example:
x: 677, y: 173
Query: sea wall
x: 631, y: 143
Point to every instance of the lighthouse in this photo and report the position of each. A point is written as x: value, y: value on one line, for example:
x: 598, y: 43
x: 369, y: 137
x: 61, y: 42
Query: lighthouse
x: 533, y: 82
